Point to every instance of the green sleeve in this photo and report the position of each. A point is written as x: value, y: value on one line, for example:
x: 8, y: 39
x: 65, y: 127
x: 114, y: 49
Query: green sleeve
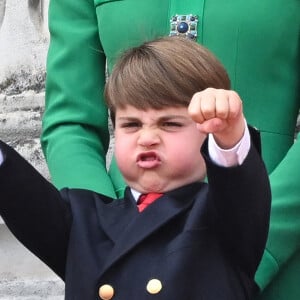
x: 284, y: 235
x: 75, y: 80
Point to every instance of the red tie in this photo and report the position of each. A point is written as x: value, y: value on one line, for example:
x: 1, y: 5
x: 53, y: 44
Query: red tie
x: 147, y: 199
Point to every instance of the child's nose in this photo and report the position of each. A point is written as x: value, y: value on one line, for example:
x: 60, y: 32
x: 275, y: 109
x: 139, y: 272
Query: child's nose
x: 148, y: 138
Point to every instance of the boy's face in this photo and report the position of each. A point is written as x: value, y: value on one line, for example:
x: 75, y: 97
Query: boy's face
x: 158, y: 150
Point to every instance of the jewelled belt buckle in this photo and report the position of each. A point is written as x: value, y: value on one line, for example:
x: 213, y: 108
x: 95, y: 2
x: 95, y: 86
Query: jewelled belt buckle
x: 184, y: 25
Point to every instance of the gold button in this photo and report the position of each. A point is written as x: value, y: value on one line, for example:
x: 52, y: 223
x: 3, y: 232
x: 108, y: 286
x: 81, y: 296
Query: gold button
x: 154, y: 286
x: 106, y: 292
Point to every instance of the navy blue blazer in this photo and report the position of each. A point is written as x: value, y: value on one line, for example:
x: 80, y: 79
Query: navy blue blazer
x: 201, y: 241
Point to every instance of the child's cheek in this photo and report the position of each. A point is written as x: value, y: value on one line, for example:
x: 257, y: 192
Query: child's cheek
x: 123, y: 152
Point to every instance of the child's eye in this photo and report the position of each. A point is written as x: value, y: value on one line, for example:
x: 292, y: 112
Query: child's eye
x: 130, y: 125
x: 172, y: 124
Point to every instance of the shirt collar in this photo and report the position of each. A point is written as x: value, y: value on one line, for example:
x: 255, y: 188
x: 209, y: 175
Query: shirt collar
x: 136, y: 195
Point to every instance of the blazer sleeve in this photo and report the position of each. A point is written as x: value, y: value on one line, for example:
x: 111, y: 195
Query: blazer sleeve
x: 241, y: 197
x: 75, y: 134
x: 34, y: 211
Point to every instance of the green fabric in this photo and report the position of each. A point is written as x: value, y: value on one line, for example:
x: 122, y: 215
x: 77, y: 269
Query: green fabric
x: 257, y: 41
x: 75, y: 122
x: 286, y: 285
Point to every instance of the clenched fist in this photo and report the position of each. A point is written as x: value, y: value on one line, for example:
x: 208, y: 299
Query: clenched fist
x: 219, y: 112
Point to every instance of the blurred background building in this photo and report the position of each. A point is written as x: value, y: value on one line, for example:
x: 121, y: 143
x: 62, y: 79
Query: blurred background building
x: 24, y: 41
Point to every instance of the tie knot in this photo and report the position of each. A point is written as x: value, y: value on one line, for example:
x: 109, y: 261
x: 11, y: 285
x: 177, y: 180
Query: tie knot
x: 146, y: 199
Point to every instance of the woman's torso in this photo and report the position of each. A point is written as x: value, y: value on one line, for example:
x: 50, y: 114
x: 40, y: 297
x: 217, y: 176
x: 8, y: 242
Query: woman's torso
x: 257, y: 41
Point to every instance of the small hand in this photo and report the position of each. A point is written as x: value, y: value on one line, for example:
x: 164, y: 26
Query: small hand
x: 219, y: 112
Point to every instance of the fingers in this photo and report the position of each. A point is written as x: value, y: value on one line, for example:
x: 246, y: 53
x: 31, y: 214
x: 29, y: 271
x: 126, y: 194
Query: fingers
x: 220, y: 113
x: 222, y: 105
x: 215, y: 103
x: 235, y: 105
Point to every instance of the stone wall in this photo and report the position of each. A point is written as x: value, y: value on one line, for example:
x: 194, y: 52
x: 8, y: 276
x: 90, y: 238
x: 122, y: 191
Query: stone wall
x: 24, y: 41
x: 23, y: 47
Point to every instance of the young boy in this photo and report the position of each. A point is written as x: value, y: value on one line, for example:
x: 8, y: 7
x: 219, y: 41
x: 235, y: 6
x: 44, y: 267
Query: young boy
x: 197, y: 240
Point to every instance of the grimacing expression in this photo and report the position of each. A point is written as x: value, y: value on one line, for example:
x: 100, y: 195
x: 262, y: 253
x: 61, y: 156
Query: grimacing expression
x: 158, y: 150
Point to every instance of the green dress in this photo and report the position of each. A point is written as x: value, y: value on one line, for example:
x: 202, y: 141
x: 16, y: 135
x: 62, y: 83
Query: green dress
x: 257, y: 41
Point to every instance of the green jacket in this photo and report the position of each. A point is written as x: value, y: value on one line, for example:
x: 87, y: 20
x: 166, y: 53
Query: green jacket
x: 257, y: 41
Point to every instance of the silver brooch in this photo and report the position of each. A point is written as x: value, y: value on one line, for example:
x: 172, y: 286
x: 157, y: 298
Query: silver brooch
x: 184, y: 25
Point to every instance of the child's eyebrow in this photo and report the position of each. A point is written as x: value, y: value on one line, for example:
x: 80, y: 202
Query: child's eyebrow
x: 159, y: 119
x: 171, y: 117
x: 128, y: 119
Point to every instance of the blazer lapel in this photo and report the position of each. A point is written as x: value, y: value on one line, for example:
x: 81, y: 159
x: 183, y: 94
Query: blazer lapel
x: 113, y: 216
x: 130, y: 227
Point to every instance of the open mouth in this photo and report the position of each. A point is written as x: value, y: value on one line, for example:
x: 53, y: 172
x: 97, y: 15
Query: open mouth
x: 148, y: 160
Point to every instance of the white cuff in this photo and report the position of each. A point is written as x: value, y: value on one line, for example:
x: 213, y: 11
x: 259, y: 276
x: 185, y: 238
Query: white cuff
x: 230, y: 157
